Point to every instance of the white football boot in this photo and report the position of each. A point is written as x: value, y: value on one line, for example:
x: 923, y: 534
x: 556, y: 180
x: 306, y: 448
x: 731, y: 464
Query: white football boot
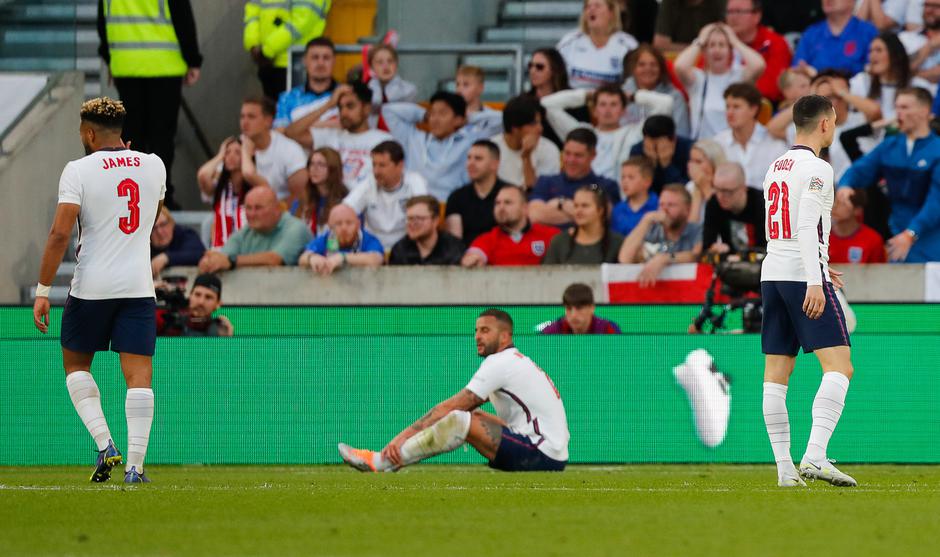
x: 825, y: 470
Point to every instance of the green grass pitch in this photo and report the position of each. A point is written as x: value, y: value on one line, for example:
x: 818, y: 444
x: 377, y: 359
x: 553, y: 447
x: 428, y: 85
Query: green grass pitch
x: 456, y: 510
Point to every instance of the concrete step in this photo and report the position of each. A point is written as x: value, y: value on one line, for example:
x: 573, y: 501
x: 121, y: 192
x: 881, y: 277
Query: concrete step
x: 497, y: 90
x: 86, y: 64
x: 48, y: 43
x: 489, y: 63
x: 58, y: 12
x: 541, y: 11
x: 531, y: 36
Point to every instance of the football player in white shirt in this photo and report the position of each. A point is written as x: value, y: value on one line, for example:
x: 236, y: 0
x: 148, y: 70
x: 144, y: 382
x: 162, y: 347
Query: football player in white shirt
x: 799, y: 294
x: 115, y: 194
x: 528, y: 433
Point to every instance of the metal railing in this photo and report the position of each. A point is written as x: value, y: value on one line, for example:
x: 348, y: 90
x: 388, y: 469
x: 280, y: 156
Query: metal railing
x: 515, y: 49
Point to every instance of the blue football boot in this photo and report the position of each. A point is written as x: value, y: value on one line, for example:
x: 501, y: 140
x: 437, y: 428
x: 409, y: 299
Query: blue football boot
x: 132, y: 476
x: 107, y: 459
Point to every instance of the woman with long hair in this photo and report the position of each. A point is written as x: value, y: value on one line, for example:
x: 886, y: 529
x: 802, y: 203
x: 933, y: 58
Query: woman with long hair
x: 224, y: 180
x: 547, y: 75
x: 590, y: 241
x: 324, y: 190
x: 717, y: 44
x: 872, y: 91
x: 645, y: 68
x: 590, y: 49
x: 704, y: 158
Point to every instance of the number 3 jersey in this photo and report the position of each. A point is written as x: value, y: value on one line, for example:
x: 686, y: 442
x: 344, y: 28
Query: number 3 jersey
x: 798, y: 195
x: 119, y: 192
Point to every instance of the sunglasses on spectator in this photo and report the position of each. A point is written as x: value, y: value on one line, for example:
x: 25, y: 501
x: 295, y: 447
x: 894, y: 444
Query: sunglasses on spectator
x: 536, y: 66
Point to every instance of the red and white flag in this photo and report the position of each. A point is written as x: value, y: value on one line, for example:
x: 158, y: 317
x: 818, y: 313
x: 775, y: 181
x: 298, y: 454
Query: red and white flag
x: 682, y: 283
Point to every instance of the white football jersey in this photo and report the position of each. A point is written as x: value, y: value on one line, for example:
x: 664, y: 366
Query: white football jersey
x: 119, y: 192
x: 590, y: 67
x: 798, y: 195
x: 525, y: 398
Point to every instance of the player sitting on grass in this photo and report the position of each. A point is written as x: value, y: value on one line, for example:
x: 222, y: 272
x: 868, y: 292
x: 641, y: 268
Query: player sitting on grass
x: 529, y: 432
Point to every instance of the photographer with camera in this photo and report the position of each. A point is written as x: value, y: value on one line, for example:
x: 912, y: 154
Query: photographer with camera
x: 178, y: 315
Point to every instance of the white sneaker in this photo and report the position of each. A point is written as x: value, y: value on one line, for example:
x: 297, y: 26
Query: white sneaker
x: 825, y: 470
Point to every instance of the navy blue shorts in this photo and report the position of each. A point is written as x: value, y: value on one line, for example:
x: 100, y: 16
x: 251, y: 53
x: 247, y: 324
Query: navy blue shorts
x: 121, y: 324
x: 517, y: 454
x: 786, y: 328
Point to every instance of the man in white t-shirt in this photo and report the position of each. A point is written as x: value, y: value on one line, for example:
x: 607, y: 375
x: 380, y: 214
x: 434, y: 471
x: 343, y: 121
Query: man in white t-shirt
x: 382, y: 199
x: 115, y: 195
x: 528, y: 433
x: 524, y: 154
x: 278, y: 159
x: 354, y: 141
x: 746, y: 141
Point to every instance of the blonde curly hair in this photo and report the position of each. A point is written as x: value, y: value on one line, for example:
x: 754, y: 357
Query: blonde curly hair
x: 104, y: 111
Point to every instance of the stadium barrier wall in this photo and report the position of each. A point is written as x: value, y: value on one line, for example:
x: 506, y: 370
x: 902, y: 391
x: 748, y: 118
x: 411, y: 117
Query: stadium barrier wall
x: 290, y: 399
x: 495, y: 285
x: 16, y: 323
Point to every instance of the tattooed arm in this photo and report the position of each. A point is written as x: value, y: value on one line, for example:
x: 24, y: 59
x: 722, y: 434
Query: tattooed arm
x: 464, y: 400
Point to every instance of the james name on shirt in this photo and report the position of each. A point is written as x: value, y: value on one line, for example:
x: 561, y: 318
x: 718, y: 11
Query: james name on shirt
x: 120, y: 162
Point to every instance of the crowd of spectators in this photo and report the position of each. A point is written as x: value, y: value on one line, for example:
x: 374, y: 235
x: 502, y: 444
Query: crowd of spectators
x: 617, y: 151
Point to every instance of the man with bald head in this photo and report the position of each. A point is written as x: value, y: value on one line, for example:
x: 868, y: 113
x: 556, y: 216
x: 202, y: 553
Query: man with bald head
x: 345, y: 243
x: 271, y: 238
x: 734, y: 216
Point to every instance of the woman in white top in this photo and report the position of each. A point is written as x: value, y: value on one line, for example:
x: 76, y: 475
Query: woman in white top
x: 717, y: 43
x: 645, y: 68
x: 594, y: 51
x: 872, y: 91
x: 387, y: 86
x: 704, y: 158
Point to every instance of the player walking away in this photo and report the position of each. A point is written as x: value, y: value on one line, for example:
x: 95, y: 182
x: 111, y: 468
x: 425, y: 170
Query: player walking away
x: 115, y: 194
x: 799, y: 294
x: 529, y: 432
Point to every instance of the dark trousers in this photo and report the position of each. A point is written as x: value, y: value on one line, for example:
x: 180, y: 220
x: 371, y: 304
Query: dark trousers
x: 153, y: 105
x: 273, y: 81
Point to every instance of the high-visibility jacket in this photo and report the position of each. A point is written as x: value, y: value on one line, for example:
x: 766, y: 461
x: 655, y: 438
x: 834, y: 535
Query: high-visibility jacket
x: 141, y: 39
x: 276, y: 25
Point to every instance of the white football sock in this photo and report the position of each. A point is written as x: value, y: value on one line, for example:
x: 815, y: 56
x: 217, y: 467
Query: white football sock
x: 139, y: 410
x: 777, y: 421
x: 445, y: 435
x: 827, y: 409
x: 87, y: 401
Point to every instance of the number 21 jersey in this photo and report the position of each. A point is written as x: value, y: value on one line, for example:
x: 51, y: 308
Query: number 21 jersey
x: 119, y: 192
x: 798, y: 195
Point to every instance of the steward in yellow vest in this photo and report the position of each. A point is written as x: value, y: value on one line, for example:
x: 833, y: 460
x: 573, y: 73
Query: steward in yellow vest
x: 272, y: 27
